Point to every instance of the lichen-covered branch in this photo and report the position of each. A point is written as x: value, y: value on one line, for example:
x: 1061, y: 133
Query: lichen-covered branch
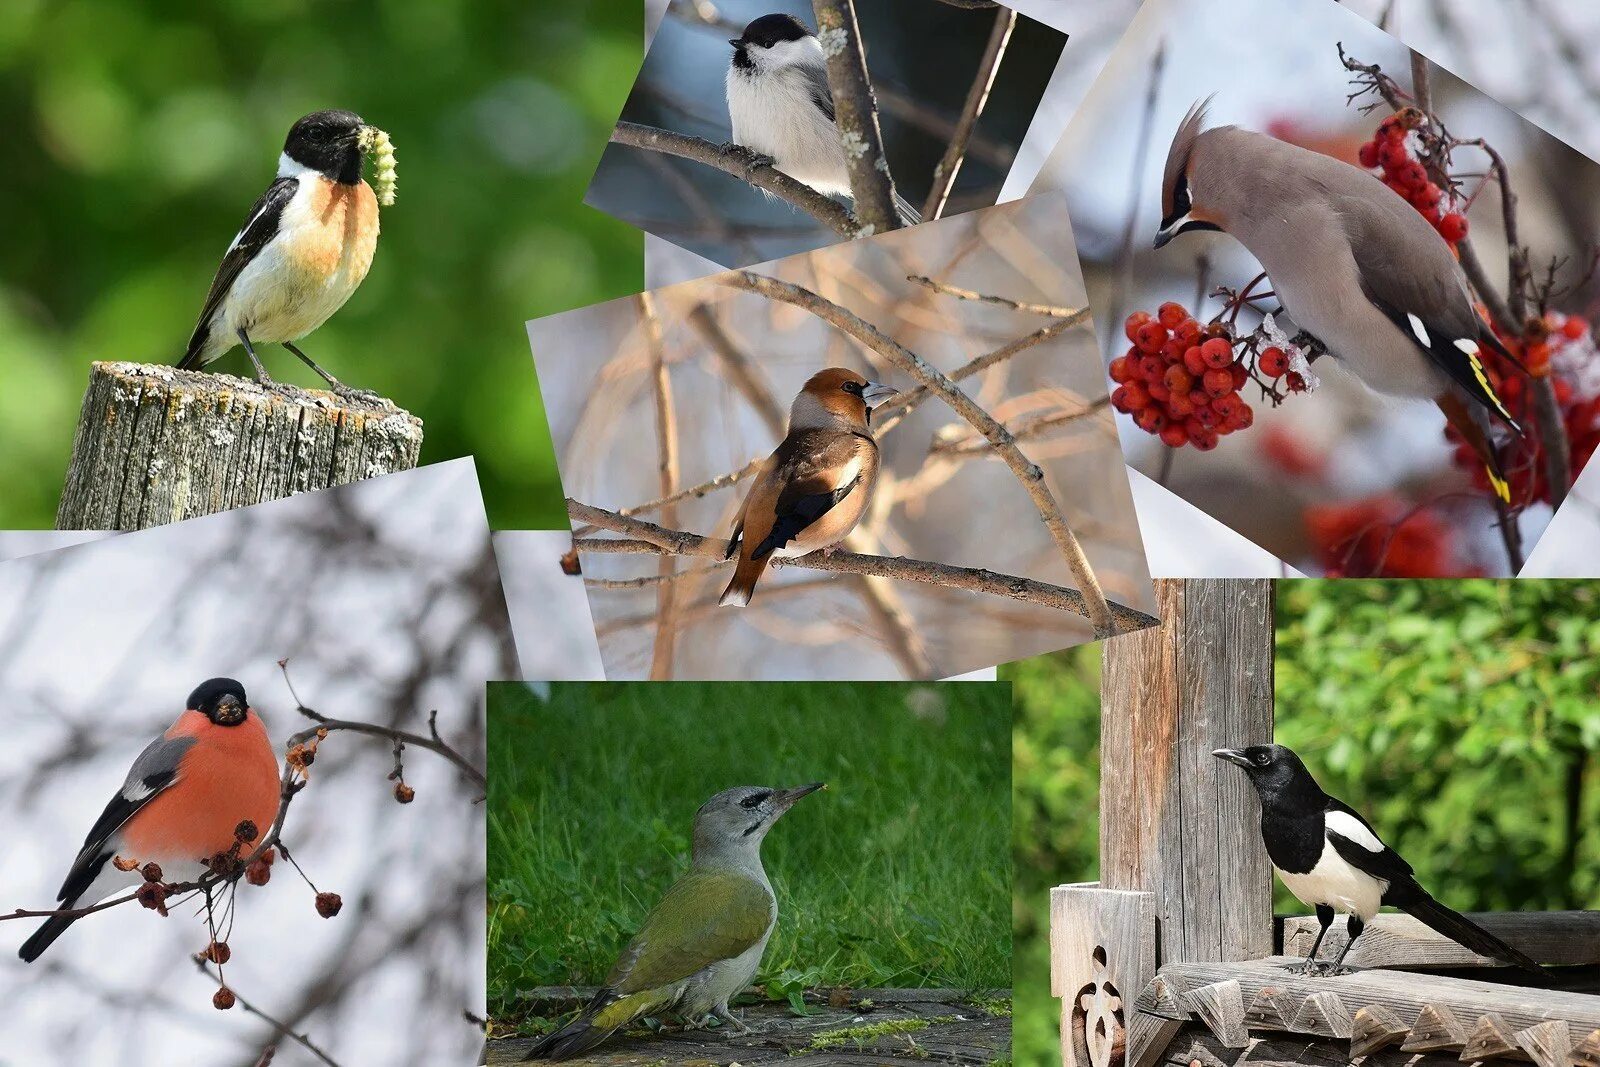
x: 742, y: 164
x: 856, y: 114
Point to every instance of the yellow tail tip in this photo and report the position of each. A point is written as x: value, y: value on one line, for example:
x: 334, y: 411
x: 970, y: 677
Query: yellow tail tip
x: 1501, y: 488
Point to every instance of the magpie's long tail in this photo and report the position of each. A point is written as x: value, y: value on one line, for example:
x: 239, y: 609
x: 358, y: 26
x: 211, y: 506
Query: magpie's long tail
x: 1463, y: 931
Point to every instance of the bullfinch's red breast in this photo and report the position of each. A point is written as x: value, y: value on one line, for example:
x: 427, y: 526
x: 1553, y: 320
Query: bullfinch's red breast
x: 182, y: 801
x: 811, y: 492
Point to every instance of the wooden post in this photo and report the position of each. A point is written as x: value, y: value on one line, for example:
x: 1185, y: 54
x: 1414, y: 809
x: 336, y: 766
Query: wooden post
x: 1177, y: 826
x: 156, y: 445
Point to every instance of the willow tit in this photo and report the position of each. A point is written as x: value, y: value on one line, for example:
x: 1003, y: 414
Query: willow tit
x: 780, y: 106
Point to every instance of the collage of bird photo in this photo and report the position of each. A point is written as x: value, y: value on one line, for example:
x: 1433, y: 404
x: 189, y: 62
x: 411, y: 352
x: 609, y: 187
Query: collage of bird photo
x: 820, y: 533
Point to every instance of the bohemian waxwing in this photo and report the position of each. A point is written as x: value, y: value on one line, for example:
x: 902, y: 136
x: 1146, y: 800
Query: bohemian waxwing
x: 1352, y: 262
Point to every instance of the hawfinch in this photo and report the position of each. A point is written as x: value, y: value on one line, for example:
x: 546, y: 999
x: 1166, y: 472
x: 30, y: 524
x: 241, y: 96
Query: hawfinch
x: 1354, y: 265
x: 811, y: 492
x: 183, y: 799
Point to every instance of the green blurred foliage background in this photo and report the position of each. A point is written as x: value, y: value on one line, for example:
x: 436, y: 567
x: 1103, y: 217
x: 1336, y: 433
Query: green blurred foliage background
x: 897, y: 875
x: 137, y: 137
x: 1462, y: 718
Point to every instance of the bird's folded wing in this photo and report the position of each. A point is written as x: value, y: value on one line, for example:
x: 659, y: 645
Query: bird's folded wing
x: 811, y: 480
x: 817, y: 84
x: 1427, y: 300
x: 1360, y: 847
x: 706, y: 917
x: 156, y: 769
x: 260, y: 226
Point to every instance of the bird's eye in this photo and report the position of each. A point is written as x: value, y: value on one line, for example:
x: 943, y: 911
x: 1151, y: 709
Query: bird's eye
x: 753, y: 800
x: 1263, y: 759
x: 853, y: 388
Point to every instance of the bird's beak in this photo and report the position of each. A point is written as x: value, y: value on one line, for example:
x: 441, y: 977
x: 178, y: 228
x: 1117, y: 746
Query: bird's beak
x: 1232, y: 755
x: 1169, y: 231
x: 737, y: 42
x: 874, y: 393
x: 785, y: 798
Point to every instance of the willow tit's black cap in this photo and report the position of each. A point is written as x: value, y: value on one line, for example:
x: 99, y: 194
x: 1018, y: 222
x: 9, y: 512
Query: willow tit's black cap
x: 769, y: 30
x: 328, y: 142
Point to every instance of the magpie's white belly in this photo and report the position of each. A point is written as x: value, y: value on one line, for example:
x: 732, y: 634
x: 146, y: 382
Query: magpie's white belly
x: 779, y: 119
x: 1338, y: 884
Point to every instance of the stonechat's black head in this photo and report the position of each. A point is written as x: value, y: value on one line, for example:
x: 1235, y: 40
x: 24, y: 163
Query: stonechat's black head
x: 328, y: 142
x: 221, y: 700
x: 769, y: 30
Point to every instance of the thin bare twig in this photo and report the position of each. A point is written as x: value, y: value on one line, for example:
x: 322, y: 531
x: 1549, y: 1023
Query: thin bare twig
x: 283, y: 1029
x: 955, y: 152
x: 743, y: 164
x: 1028, y: 474
x: 739, y: 370
x: 1052, y: 310
x: 662, y: 651
x: 642, y: 537
x: 856, y: 114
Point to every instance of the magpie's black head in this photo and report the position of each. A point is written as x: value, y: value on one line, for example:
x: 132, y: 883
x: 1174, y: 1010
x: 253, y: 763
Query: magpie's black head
x: 329, y: 142
x: 1271, y: 768
x: 764, y: 34
x: 221, y: 700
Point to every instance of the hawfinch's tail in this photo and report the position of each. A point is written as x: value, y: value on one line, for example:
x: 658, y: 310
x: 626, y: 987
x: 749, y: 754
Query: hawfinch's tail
x: 743, y: 584
x: 1476, y: 434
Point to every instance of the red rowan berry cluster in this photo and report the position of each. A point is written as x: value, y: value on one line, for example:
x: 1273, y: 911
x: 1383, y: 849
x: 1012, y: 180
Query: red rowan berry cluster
x: 1392, y: 152
x: 1180, y: 380
x: 1556, y: 342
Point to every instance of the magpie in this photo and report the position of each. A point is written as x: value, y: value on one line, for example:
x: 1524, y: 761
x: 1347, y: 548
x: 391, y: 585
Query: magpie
x: 1331, y: 859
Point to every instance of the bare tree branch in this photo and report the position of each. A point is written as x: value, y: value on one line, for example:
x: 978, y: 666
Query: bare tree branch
x: 1052, y: 310
x: 1028, y: 474
x: 667, y: 472
x: 743, y: 164
x: 303, y: 1040
x: 944, y: 175
x: 856, y: 114
x: 739, y: 370
x: 642, y: 537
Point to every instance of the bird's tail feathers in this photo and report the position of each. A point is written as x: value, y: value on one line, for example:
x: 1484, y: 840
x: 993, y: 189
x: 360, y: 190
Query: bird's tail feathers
x: 1462, y: 930
x: 194, y: 358
x: 909, y: 216
x: 606, y: 1014
x: 1473, y: 428
x: 742, y: 586
x: 43, y: 937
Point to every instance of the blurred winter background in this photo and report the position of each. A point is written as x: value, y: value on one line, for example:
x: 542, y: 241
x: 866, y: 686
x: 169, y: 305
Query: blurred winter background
x: 384, y: 598
x: 922, y: 70
x: 1275, y: 68
x: 939, y: 501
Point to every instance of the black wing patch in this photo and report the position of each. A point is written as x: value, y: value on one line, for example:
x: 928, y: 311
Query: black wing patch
x: 154, y: 770
x: 1387, y: 864
x: 817, y: 84
x: 260, y: 227
x: 1450, y: 354
x: 796, y: 513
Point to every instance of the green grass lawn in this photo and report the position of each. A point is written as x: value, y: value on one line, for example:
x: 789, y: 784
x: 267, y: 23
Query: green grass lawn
x: 897, y: 875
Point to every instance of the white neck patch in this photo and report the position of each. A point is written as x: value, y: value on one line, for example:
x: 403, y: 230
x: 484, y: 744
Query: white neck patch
x: 288, y: 168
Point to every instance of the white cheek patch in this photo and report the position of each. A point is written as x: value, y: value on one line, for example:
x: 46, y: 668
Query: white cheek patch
x: 1352, y: 829
x: 1420, y: 330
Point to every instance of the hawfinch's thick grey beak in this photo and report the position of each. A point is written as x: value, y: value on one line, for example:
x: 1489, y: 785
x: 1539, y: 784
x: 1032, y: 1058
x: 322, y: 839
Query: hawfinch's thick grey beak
x: 1232, y: 755
x: 874, y: 393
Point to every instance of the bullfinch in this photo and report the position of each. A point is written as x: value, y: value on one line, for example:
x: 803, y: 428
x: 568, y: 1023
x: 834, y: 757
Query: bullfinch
x: 1354, y: 264
x: 305, y: 246
x: 180, y: 805
x: 811, y: 492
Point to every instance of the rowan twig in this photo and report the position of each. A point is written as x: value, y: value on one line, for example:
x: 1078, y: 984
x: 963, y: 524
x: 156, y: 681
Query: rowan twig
x: 856, y: 115
x: 662, y: 651
x: 642, y: 537
x: 955, y: 152
x: 1028, y: 474
x: 283, y: 1029
x: 743, y: 164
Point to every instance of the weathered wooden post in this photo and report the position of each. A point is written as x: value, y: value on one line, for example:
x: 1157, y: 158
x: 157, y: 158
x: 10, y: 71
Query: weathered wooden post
x: 156, y: 445
x: 1183, y: 874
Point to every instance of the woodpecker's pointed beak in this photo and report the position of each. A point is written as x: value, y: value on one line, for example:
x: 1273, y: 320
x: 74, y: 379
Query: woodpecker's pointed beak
x: 875, y: 393
x: 1232, y: 755
x: 785, y: 798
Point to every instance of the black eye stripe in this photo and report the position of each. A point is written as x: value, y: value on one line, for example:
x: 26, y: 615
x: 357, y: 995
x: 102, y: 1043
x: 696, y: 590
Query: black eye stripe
x: 753, y: 800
